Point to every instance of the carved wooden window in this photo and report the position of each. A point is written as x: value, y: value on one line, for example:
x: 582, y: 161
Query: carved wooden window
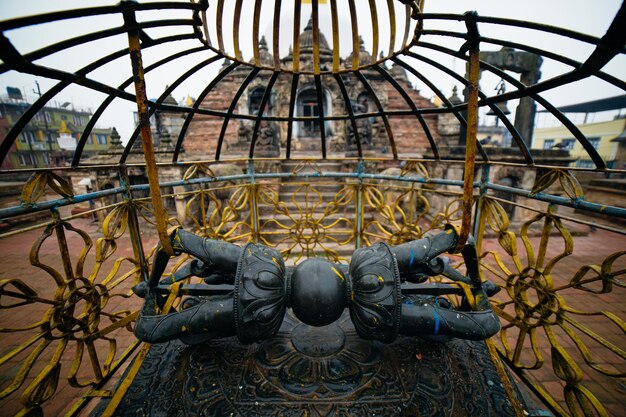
x: 309, y: 107
x: 254, y: 100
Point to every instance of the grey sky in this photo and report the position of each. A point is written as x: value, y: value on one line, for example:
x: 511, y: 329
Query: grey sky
x: 578, y: 15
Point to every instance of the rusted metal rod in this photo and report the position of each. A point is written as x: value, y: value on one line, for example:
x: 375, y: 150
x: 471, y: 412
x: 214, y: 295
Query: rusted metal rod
x: 146, y: 135
x: 472, y: 128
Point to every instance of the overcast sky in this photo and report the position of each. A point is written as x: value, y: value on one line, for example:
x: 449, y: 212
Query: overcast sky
x: 578, y: 15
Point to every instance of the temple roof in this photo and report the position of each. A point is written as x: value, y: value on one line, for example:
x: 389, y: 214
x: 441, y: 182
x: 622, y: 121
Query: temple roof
x: 306, y: 41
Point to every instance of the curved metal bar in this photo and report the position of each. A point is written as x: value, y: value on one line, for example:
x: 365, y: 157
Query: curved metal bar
x: 25, y: 21
x: 255, y: 32
x: 164, y: 95
x: 434, y: 88
x: 611, y: 44
x: 516, y: 23
x: 335, y: 25
x: 348, y: 106
x: 26, y: 117
x: 315, y: 15
x: 559, y: 58
x: 529, y: 91
x: 296, y: 36
x: 514, y: 132
x: 355, y: 36
x: 292, y: 105
x: 407, y: 25
x: 231, y: 109
x: 276, y: 34
x: 538, y: 51
x: 196, y: 105
x: 392, y: 27
x: 320, y: 105
x: 79, y: 40
x: 66, y: 78
x: 409, y: 101
x: 266, y: 97
x: 219, y: 18
x: 375, y: 34
x: 549, y: 198
x: 236, y: 25
x: 381, y: 111
x: 106, y: 102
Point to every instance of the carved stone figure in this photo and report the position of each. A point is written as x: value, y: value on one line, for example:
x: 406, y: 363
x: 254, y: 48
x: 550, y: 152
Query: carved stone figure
x: 244, y: 133
x: 268, y: 135
x: 363, y: 129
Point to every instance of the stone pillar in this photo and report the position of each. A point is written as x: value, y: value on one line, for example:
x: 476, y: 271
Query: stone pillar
x: 525, y: 113
x: 526, y: 64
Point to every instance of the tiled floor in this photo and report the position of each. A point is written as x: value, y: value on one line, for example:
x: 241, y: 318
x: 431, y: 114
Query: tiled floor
x: 588, y: 249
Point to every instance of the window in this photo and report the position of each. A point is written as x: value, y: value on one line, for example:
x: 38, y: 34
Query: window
x: 308, y: 107
x: 48, y: 116
x: 78, y: 121
x: 64, y: 117
x: 568, y: 144
x: 595, y: 142
x: 102, y: 139
x: 89, y: 140
x: 38, y: 117
x: 548, y: 144
x: 25, y: 159
x: 45, y: 158
x: 254, y: 101
x: 27, y: 137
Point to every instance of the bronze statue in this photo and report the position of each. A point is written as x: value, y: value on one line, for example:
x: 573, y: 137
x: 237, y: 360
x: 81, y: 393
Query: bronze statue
x: 249, y: 290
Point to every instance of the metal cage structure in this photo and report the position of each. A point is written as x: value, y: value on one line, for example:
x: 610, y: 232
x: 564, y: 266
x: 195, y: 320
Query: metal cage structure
x: 285, y: 156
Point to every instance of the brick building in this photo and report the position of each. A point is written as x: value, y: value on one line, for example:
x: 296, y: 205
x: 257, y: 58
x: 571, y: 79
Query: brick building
x: 204, y: 131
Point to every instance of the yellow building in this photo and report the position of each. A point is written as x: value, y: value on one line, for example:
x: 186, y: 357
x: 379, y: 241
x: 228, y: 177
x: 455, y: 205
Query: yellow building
x: 600, y: 135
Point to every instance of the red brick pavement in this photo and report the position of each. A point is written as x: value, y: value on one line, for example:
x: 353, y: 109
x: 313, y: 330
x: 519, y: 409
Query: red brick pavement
x: 589, y: 249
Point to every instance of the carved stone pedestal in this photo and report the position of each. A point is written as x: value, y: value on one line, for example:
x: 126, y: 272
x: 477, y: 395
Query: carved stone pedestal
x: 323, y: 371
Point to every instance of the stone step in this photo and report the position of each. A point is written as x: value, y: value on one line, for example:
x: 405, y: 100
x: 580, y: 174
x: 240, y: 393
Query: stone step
x: 319, y: 166
x: 329, y: 250
x: 315, y: 217
x: 312, y: 196
x: 294, y: 210
x: 314, y: 181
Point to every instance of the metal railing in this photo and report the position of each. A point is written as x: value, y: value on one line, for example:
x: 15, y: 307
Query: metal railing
x: 76, y: 308
x: 67, y: 308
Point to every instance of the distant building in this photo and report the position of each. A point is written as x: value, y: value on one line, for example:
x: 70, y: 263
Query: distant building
x: 164, y: 125
x: 601, y: 135
x: 50, y: 138
x: 204, y: 132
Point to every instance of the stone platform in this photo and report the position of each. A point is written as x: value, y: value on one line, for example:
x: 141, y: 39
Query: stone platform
x: 308, y: 371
